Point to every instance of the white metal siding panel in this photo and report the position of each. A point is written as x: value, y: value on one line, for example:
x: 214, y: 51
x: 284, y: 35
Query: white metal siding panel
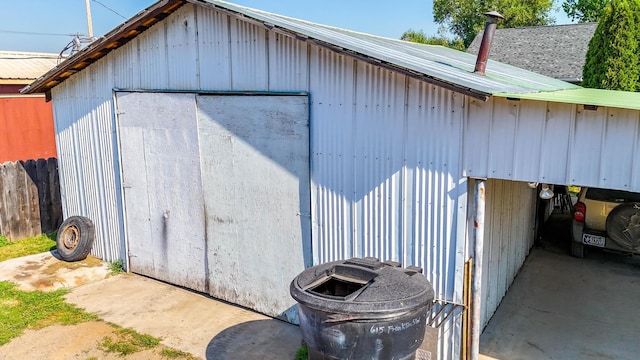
x: 126, y: 66
x: 477, y: 130
x: 90, y: 187
x: 152, y: 47
x: 509, y: 234
x: 552, y: 143
x: 163, y: 195
x: 214, y: 50
x: 182, y: 49
x: 554, y: 151
x: 618, y: 149
x: 588, y: 132
x: 435, y: 196
x: 528, y: 139
x: 332, y: 158
x: 385, y: 173
x: 378, y: 159
x: 288, y: 64
x: 255, y: 176
x: 434, y: 123
x: 503, y: 126
x: 249, y: 59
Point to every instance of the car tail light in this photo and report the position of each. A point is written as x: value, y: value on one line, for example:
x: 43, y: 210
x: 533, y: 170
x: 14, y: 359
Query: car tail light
x: 579, y: 211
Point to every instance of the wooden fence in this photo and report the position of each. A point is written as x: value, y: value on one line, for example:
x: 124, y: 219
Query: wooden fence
x: 29, y: 198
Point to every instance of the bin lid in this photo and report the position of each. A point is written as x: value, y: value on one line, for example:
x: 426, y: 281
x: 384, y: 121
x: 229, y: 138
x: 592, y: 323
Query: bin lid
x: 362, y: 285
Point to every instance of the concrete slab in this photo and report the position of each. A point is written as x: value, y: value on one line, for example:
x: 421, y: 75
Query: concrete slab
x: 560, y: 307
x: 188, y: 321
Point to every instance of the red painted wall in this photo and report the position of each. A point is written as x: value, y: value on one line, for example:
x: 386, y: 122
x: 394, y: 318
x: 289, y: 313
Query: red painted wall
x: 26, y: 129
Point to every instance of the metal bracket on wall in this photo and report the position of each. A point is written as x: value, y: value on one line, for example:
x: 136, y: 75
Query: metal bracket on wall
x: 442, y: 310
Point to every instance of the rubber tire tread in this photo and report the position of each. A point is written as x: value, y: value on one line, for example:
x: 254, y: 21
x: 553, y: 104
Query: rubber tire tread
x: 86, y: 234
x: 617, y: 225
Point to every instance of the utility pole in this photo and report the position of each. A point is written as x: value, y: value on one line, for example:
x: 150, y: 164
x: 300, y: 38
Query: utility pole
x: 89, y: 24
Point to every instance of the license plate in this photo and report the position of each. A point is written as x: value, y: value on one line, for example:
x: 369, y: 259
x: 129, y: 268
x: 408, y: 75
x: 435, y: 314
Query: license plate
x: 594, y: 240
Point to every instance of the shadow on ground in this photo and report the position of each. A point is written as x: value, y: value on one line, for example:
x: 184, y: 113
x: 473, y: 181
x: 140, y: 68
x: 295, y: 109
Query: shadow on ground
x: 258, y: 339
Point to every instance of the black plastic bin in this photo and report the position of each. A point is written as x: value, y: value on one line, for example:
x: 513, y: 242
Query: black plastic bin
x: 362, y: 309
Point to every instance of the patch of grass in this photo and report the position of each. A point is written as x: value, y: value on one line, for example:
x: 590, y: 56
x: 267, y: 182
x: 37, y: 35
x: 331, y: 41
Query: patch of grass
x: 4, y: 241
x: 28, y: 246
x: 116, y: 267
x: 128, y: 341
x: 175, y: 354
x: 21, y: 310
x: 302, y: 353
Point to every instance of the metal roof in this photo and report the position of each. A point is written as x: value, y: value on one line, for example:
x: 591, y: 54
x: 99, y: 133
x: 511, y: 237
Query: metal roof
x: 24, y: 67
x: 442, y: 66
x: 584, y: 96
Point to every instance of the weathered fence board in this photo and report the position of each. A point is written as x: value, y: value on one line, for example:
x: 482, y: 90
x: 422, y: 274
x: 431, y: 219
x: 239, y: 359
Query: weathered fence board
x: 29, y: 198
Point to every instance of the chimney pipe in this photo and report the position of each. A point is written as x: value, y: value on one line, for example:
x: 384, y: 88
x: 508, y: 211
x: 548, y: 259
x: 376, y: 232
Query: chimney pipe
x: 487, y: 39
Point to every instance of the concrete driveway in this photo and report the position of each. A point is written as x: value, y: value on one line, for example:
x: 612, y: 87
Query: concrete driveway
x: 184, y: 320
x: 560, y: 307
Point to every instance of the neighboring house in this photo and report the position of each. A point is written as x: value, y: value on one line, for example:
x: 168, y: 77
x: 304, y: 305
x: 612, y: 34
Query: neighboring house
x: 557, y: 51
x: 226, y: 149
x: 26, y: 121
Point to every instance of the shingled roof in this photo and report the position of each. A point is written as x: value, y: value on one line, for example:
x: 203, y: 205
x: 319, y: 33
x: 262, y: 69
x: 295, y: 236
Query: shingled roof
x: 557, y: 51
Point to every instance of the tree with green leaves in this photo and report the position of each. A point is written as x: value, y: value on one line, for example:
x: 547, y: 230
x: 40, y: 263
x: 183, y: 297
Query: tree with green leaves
x: 464, y: 18
x: 422, y: 38
x: 612, y: 60
x: 584, y: 10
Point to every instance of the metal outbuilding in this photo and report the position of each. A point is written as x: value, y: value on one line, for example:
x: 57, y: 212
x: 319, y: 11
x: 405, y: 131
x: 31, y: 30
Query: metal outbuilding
x: 227, y: 149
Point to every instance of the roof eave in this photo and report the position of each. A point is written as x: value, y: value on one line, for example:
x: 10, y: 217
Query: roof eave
x: 99, y: 48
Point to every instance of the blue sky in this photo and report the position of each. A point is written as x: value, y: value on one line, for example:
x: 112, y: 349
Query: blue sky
x: 384, y: 18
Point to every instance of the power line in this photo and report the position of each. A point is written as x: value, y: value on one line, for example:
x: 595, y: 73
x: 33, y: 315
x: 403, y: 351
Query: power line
x: 110, y: 9
x: 34, y: 33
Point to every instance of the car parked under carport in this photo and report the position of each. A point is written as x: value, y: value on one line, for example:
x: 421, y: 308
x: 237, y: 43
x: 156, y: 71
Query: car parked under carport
x: 606, y: 218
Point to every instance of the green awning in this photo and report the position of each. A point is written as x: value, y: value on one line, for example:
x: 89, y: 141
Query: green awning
x: 583, y: 96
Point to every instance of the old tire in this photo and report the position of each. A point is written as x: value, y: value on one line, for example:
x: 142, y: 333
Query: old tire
x: 75, y: 238
x: 577, y: 249
x: 623, y: 226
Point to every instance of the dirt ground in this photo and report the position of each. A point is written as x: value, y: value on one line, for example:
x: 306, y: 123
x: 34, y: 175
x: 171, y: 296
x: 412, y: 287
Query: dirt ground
x: 75, y: 342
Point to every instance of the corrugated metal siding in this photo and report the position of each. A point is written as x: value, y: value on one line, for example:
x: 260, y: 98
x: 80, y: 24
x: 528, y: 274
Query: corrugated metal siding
x: 509, y: 234
x: 182, y: 49
x: 125, y: 62
x: 153, y: 57
x: 214, y: 50
x: 26, y: 129
x: 553, y: 143
x: 288, y: 63
x: 385, y: 173
x: 333, y: 186
x: 249, y: 57
x: 85, y: 138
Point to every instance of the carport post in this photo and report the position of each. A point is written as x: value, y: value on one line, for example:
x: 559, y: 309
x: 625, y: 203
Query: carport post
x: 478, y: 245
